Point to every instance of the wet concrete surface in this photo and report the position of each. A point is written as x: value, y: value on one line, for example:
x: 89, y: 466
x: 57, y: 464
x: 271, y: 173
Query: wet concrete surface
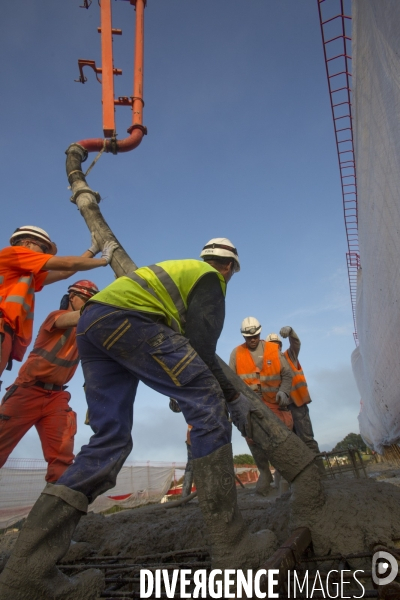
x: 356, y: 514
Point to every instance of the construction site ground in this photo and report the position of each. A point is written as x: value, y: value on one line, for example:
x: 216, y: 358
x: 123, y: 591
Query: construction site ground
x: 156, y: 529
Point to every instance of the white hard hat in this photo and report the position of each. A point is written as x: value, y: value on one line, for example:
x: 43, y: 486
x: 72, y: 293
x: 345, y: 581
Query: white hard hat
x: 250, y: 326
x: 36, y: 233
x: 273, y: 337
x: 221, y: 247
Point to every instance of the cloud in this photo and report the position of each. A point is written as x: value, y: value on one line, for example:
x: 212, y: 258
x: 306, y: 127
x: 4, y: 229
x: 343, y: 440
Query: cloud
x: 340, y: 330
x: 336, y: 297
x: 321, y: 308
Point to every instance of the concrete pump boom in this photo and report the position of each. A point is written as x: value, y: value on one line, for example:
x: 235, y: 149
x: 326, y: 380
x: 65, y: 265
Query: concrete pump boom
x: 136, y: 130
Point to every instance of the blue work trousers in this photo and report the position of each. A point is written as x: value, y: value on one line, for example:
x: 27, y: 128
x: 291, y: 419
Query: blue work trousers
x: 119, y: 348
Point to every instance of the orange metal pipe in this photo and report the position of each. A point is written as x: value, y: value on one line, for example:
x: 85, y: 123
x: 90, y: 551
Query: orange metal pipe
x: 125, y: 145
x: 107, y: 67
x: 137, y: 108
x: 136, y: 131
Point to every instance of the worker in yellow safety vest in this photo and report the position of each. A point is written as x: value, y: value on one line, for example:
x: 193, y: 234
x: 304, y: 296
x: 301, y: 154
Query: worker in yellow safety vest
x: 159, y: 325
x: 265, y: 370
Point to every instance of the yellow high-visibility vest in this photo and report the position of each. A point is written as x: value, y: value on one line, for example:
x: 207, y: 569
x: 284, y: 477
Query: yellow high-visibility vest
x: 162, y: 289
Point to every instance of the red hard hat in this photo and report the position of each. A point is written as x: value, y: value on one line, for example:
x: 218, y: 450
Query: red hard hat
x: 84, y: 287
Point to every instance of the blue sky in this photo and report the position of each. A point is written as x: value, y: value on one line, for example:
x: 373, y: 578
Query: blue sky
x: 240, y: 144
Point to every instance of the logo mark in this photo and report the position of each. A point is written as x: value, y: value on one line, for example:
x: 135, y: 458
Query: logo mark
x: 384, y: 568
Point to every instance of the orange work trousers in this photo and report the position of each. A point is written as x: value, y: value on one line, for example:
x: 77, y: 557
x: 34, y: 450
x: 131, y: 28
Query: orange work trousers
x: 6, y: 345
x: 284, y: 415
x: 53, y: 418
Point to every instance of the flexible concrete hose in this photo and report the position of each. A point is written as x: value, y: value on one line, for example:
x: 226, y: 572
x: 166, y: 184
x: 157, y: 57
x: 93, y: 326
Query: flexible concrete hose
x: 87, y: 202
x: 286, y: 452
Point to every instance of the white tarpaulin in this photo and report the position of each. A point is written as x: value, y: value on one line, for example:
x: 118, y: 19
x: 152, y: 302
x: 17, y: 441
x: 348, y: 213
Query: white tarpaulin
x: 137, y: 483
x: 376, y: 113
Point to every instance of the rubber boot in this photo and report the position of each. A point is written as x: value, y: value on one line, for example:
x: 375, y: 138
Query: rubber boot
x: 319, y: 461
x: 263, y: 485
x: 31, y: 572
x: 232, y: 546
x: 188, y: 477
x: 283, y: 486
x: 277, y: 480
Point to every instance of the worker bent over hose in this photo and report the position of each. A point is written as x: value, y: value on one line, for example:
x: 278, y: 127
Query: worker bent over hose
x: 160, y: 325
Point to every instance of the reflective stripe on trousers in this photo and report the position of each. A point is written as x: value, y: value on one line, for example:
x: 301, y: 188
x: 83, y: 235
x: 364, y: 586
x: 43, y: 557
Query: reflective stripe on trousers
x: 119, y: 348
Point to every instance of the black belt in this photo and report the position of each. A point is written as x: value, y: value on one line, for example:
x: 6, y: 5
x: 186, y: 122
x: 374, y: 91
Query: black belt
x: 8, y: 329
x: 6, y: 326
x: 51, y: 387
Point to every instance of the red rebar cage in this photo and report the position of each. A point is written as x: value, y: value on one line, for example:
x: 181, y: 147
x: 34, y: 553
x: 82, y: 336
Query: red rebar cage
x: 335, y: 21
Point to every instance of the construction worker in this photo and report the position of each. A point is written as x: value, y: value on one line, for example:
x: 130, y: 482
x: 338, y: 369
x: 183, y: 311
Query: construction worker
x: 26, y: 266
x: 299, y: 394
x: 263, y: 368
x: 38, y: 396
x: 160, y: 325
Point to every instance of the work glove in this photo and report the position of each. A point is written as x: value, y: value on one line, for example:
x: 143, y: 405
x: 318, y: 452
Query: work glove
x: 282, y: 399
x: 174, y: 406
x: 94, y: 248
x: 240, y: 411
x: 285, y: 331
x: 108, y: 250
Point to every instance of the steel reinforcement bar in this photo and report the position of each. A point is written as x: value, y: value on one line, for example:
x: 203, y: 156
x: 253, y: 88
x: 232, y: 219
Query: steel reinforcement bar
x: 335, y: 21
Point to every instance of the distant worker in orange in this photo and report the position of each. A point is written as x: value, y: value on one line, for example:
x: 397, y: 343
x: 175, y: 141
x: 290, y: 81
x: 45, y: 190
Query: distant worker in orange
x: 266, y: 371
x: 299, y: 394
x: 38, y: 396
x: 26, y: 266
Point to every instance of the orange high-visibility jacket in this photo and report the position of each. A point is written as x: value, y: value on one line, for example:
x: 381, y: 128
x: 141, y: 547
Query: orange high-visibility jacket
x: 21, y: 275
x: 299, y: 392
x: 268, y: 379
x: 54, y: 358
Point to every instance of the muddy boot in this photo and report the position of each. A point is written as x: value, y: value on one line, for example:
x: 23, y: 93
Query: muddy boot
x: 283, y: 486
x: 263, y: 486
x: 280, y: 484
x: 188, y: 477
x: 277, y: 480
x: 187, y: 483
x: 31, y: 572
x: 319, y: 461
x: 232, y: 546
